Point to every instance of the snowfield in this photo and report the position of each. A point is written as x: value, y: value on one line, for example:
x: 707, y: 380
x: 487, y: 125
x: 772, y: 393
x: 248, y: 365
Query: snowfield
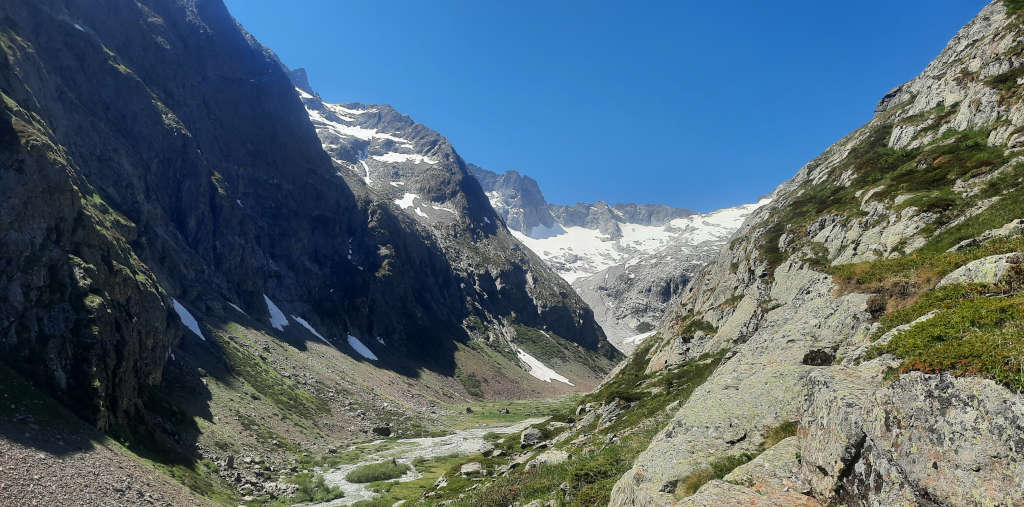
x: 576, y: 252
x: 277, y: 319
x: 538, y: 369
x: 187, y: 319
x: 363, y: 350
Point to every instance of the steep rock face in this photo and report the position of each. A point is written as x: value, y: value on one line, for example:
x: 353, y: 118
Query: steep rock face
x: 518, y: 199
x: 155, y: 151
x: 630, y: 298
x: 388, y: 158
x: 935, y: 170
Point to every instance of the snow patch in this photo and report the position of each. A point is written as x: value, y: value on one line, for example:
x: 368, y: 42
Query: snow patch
x: 232, y: 305
x: 302, y: 322
x: 538, y: 369
x: 638, y: 339
x: 187, y: 319
x: 366, y: 177
x: 406, y: 200
x: 420, y: 213
x: 277, y: 319
x: 303, y: 94
x: 404, y: 157
x: 79, y: 27
x: 360, y: 348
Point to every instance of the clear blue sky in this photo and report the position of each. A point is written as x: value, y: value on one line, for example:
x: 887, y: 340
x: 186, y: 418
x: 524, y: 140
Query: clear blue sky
x: 695, y: 104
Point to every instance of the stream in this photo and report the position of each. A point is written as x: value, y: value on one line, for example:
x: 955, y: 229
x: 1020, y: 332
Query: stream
x: 406, y: 450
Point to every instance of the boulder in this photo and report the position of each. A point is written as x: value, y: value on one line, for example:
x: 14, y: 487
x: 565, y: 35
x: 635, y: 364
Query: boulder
x: 472, y: 468
x: 987, y: 270
x: 530, y: 437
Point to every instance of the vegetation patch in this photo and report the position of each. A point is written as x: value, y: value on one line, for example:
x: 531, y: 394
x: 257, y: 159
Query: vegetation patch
x: 312, y: 488
x: 373, y: 472
x: 779, y: 433
x: 899, y: 281
x: 715, y: 469
x: 262, y: 377
x: 977, y: 331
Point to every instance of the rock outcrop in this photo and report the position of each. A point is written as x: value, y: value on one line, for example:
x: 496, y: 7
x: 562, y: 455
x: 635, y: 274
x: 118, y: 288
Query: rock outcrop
x: 929, y: 190
x: 161, y: 173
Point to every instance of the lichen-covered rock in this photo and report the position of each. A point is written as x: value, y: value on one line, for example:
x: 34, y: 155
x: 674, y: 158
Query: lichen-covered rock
x: 777, y: 468
x: 925, y: 438
x: 985, y: 271
x: 718, y: 493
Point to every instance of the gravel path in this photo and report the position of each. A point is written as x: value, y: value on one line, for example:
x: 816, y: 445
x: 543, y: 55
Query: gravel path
x: 461, y: 442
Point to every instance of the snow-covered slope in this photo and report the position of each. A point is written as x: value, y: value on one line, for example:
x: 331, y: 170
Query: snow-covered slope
x: 627, y: 261
x: 576, y: 251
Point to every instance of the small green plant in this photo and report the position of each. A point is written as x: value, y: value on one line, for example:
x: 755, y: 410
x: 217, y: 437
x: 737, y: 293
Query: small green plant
x: 312, y: 488
x: 779, y: 433
x: 716, y: 469
x: 374, y: 472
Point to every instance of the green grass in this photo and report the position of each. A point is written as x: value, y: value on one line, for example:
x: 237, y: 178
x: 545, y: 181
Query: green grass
x: 262, y: 377
x: 1013, y: 6
x: 312, y: 488
x: 486, y: 413
x: 899, y: 281
x: 779, y: 433
x: 590, y: 475
x: 716, y: 469
x: 471, y: 382
x: 373, y: 472
x: 974, y: 333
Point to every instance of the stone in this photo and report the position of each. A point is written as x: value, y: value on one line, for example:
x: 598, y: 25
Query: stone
x: 986, y: 271
x: 530, y: 437
x: 549, y: 457
x: 472, y: 468
x: 503, y: 411
x: 383, y: 430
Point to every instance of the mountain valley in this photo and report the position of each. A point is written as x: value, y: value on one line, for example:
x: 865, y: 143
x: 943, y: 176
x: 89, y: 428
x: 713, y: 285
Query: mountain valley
x: 220, y: 288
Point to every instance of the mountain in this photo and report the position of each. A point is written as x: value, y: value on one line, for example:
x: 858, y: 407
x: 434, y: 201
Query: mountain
x: 188, y: 269
x: 858, y: 340
x: 871, y: 311
x: 627, y: 262
x: 631, y: 297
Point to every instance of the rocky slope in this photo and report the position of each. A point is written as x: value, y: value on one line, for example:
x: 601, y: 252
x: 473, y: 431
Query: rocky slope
x: 627, y: 262
x: 831, y: 308
x: 630, y: 298
x: 186, y: 267
x: 857, y: 342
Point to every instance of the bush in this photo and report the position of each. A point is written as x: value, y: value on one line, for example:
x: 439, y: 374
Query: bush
x: 312, y: 488
x: 374, y: 472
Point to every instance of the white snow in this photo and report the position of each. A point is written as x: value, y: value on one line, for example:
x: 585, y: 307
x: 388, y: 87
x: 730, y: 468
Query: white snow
x: 381, y: 341
x: 79, y: 27
x: 576, y: 252
x: 393, y: 157
x: 303, y: 94
x: 442, y: 208
x: 239, y: 201
x: 406, y: 200
x: 638, y: 339
x: 344, y: 110
x: 187, y: 319
x: 302, y: 322
x: 538, y: 369
x: 420, y: 213
x: 366, y: 168
x: 397, y: 184
x: 277, y: 318
x: 360, y: 348
x: 232, y: 305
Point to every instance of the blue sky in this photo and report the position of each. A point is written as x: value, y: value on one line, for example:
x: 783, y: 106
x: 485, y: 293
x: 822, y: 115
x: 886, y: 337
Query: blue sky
x: 700, y: 105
